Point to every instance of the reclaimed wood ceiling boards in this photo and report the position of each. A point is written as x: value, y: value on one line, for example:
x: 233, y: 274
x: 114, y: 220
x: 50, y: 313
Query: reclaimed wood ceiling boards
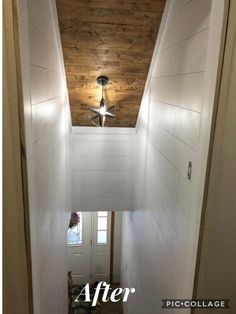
x: 115, y: 38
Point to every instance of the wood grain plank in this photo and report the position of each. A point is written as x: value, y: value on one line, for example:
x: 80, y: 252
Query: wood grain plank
x: 113, y: 38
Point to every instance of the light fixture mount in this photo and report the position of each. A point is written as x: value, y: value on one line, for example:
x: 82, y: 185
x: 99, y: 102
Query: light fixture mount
x: 102, y: 80
x: 105, y: 114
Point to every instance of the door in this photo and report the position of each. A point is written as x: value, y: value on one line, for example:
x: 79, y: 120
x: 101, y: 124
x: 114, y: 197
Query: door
x: 79, y: 249
x: 101, y: 246
x: 89, y: 248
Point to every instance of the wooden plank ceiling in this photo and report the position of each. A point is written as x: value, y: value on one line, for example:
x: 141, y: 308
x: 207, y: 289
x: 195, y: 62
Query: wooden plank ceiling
x: 115, y: 38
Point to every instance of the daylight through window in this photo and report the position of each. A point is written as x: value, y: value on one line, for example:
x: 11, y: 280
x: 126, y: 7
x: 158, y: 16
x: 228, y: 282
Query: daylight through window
x: 74, y: 235
x: 102, y: 228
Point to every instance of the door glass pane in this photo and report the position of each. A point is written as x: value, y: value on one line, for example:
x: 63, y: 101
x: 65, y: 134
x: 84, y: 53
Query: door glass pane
x: 102, y: 237
x: 102, y: 214
x: 102, y: 223
x: 74, y: 234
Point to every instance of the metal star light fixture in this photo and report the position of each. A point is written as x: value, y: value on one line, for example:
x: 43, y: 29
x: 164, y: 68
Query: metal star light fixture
x: 104, y: 115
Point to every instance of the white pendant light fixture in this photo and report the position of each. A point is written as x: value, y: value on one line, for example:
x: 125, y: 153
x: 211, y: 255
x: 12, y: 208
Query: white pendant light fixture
x: 104, y: 115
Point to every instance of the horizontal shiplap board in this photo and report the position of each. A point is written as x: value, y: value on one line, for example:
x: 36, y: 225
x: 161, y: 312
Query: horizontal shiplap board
x: 50, y: 179
x: 156, y: 213
x: 43, y: 52
x: 55, y: 88
x: 177, y: 152
x: 101, y: 148
x: 189, y: 20
x: 164, y: 169
x: 38, y: 47
x: 53, y: 57
x: 187, y: 126
x: 102, y: 163
x: 187, y: 56
x: 86, y: 130
x: 173, y: 212
x: 40, y: 16
x: 183, y: 124
x: 104, y: 137
x: 52, y: 138
x: 45, y: 115
x: 185, y: 91
x: 102, y: 191
x: 179, y: 187
x: 177, y: 5
x: 106, y: 204
x: 101, y: 177
x: 49, y: 206
x: 163, y: 115
x: 38, y: 84
x: 45, y: 84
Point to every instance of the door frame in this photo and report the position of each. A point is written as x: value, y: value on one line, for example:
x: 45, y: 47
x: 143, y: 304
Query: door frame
x: 93, y: 241
x: 227, y: 11
x: 17, y: 264
x: 112, y: 246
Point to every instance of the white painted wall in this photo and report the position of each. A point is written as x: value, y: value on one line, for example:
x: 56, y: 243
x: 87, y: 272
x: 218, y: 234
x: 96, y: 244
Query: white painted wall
x: 47, y: 126
x: 102, y: 169
x: 160, y: 237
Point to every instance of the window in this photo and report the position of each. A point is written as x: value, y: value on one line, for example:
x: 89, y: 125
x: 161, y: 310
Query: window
x: 102, y: 228
x: 74, y: 235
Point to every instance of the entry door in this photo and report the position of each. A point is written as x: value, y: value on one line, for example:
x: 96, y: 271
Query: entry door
x: 79, y: 250
x: 89, y: 248
x: 101, y: 246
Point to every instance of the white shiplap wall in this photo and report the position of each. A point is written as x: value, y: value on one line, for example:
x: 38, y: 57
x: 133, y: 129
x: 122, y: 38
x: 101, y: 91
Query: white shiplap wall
x: 102, y: 169
x: 160, y: 236
x: 47, y: 125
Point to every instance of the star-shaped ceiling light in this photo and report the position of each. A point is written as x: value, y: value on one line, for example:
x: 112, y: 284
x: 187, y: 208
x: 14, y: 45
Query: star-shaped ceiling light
x: 104, y: 116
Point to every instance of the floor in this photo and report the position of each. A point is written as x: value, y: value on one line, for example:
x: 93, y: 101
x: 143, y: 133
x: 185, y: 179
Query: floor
x: 111, y: 307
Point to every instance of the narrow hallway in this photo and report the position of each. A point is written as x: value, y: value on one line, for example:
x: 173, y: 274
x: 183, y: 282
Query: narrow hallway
x: 111, y: 307
x: 119, y: 162
x: 101, y: 307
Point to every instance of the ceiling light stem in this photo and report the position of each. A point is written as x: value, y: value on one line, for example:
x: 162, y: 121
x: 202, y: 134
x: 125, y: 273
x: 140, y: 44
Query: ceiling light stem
x: 102, y: 114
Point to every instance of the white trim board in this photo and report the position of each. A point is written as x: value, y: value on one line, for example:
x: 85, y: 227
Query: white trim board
x: 97, y: 130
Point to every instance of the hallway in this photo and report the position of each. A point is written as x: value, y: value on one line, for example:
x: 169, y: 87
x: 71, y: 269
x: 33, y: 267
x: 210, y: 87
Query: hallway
x: 111, y: 307
x: 120, y: 167
x: 101, y: 308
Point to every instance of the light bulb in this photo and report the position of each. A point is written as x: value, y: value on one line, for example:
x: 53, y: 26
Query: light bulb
x: 102, y: 111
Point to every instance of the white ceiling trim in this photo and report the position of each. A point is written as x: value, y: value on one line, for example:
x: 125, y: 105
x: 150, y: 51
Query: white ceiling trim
x: 97, y: 130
